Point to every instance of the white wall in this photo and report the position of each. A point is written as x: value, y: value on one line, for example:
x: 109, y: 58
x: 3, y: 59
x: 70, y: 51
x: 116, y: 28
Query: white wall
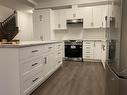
x: 54, y: 3
x: 4, y: 13
x: 97, y: 34
x: 25, y: 23
x: 80, y: 33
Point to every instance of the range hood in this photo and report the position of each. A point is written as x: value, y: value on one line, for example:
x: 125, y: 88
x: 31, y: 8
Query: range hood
x: 75, y: 21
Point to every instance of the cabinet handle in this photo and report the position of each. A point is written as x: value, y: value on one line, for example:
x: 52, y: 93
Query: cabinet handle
x: 45, y: 60
x: 87, y: 52
x: 103, y: 47
x: 59, y: 25
x: 35, y: 79
x: 94, y: 44
x: 41, y: 17
x: 92, y: 24
x: 59, y: 61
x: 35, y: 51
x: 106, y: 18
x: 74, y: 15
x: 59, y: 45
x: 88, y: 47
x: 59, y: 53
x: 102, y: 23
x: 41, y: 37
x: 34, y: 64
x: 87, y: 56
x: 87, y: 43
x: 49, y: 47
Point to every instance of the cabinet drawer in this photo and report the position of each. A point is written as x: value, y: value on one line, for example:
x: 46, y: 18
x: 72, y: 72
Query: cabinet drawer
x: 33, y: 72
x: 88, y: 56
x: 49, y: 48
x: 59, y: 57
x: 59, y: 54
x: 88, y: 51
x: 31, y: 64
x: 31, y: 81
x: 88, y: 47
x: 29, y: 52
x: 59, y: 46
x: 88, y: 43
x: 59, y: 61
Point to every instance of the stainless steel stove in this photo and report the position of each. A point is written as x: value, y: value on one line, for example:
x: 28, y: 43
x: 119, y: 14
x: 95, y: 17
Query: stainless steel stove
x: 73, y: 50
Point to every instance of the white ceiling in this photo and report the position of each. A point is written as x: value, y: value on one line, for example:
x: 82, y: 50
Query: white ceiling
x: 17, y: 4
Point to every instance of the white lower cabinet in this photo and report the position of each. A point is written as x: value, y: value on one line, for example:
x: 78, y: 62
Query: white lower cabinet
x: 88, y: 49
x: 27, y: 67
x: 92, y: 50
x: 97, y: 50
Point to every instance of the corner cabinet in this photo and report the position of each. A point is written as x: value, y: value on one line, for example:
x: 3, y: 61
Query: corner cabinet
x: 23, y: 69
x: 42, y: 24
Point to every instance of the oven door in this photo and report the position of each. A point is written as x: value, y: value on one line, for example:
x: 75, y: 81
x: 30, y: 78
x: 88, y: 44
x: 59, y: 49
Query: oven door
x: 73, y: 51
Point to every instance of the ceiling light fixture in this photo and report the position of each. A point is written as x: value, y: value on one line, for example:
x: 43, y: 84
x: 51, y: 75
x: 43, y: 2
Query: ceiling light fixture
x: 32, y: 2
x: 30, y: 11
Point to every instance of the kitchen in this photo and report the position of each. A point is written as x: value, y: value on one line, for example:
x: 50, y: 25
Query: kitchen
x: 63, y: 42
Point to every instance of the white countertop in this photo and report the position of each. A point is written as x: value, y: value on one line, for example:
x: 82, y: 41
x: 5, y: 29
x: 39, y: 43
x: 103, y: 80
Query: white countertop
x: 27, y: 44
x: 95, y: 40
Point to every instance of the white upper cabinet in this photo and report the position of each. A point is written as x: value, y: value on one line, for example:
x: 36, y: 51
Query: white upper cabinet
x: 87, y: 13
x: 42, y: 24
x: 74, y: 13
x: 71, y: 14
x: 97, y: 16
x: 94, y: 16
x: 60, y: 19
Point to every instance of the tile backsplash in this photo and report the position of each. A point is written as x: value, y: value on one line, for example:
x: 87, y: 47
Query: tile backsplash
x: 80, y: 33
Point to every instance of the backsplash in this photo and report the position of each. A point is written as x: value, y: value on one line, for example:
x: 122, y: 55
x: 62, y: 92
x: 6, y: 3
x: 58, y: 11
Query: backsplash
x: 94, y: 34
x: 79, y: 33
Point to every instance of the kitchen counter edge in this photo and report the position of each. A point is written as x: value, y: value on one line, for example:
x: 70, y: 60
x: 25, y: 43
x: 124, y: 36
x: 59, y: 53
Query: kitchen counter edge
x: 27, y: 44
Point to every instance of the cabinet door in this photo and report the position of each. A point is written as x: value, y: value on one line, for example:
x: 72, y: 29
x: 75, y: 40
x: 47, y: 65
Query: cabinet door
x: 60, y: 19
x: 97, y: 16
x: 97, y: 50
x: 71, y: 13
x: 37, y: 25
x: 56, y: 19
x: 88, y: 17
x: 42, y: 25
x: 47, y: 67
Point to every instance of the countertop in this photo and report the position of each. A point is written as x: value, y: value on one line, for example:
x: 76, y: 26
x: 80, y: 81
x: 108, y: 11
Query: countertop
x: 27, y: 44
x: 101, y: 40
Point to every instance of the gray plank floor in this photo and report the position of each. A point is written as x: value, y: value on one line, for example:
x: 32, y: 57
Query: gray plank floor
x: 75, y: 78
